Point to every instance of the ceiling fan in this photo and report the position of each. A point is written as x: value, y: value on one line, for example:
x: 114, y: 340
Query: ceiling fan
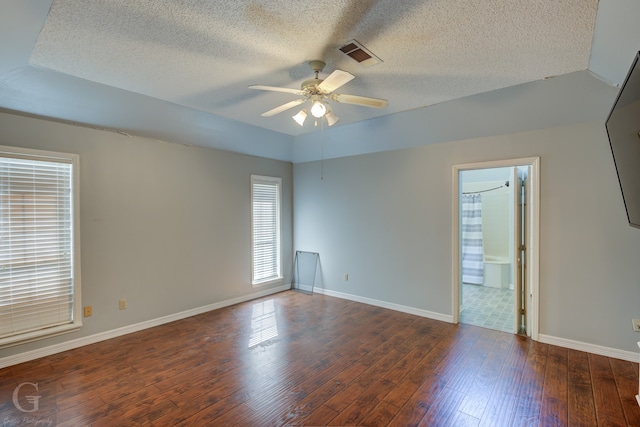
x: 320, y: 91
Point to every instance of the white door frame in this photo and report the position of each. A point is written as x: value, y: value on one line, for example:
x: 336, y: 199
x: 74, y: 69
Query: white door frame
x: 533, y: 248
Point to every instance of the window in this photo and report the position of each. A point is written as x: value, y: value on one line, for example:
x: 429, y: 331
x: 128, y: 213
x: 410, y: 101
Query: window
x: 39, y: 250
x: 265, y: 229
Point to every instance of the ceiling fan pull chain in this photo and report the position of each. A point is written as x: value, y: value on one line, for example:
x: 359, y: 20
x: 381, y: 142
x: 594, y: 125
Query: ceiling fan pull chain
x: 322, y: 151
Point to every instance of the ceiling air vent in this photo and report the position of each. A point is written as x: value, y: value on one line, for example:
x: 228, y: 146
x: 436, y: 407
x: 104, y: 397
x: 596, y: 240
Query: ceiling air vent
x: 360, y: 54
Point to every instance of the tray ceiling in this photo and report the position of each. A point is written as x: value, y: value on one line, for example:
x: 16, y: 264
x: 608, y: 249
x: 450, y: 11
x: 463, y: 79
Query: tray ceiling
x: 204, y: 54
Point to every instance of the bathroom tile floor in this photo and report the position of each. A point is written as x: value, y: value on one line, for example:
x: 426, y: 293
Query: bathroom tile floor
x: 487, y: 307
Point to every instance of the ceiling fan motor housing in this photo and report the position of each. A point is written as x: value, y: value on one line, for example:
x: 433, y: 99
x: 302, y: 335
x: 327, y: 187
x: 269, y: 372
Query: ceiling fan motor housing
x: 310, y: 85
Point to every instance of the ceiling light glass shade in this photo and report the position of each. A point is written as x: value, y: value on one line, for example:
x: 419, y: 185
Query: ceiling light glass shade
x: 300, y: 117
x: 318, y: 109
x: 332, y: 119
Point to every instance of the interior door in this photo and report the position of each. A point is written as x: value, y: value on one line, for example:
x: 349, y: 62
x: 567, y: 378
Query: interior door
x: 519, y: 244
x: 527, y: 233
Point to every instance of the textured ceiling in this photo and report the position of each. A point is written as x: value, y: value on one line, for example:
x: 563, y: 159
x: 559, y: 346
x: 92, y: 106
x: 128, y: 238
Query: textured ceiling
x: 204, y: 54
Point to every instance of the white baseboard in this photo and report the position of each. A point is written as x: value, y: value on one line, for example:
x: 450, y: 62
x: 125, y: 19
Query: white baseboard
x: 629, y: 356
x: 384, y: 304
x: 102, y: 336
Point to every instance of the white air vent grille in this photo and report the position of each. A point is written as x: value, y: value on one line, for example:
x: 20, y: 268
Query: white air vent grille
x: 360, y: 54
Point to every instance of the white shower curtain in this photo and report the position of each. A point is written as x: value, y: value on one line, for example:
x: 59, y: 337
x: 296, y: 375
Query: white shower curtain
x: 472, y: 249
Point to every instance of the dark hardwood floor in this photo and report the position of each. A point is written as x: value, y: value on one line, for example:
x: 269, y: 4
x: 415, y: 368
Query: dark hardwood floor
x: 295, y: 359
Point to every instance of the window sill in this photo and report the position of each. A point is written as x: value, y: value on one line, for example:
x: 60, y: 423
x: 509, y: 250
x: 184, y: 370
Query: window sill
x: 39, y: 334
x: 268, y: 282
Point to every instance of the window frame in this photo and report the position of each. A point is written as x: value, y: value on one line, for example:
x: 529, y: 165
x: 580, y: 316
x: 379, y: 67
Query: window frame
x: 76, y: 322
x: 278, y: 276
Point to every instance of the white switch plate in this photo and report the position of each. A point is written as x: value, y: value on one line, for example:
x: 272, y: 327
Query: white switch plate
x: 636, y: 325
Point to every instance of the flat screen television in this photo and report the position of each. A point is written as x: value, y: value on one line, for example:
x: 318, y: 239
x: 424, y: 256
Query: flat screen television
x: 623, y: 129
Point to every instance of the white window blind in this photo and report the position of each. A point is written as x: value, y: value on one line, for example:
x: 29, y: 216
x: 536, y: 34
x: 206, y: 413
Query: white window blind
x: 265, y: 230
x: 37, y: 283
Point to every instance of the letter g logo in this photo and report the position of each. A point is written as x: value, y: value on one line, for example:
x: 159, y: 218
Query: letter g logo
x: 31, y: 399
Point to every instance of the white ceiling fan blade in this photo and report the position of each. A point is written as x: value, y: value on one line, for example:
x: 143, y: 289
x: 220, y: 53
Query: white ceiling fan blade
x: 359, y: 100
x: 283, y: 107
x: 278, y: 89
x: 335, y: 80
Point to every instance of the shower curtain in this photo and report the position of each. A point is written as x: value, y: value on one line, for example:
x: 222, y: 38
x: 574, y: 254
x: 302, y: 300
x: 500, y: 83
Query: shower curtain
x: 472, y: 249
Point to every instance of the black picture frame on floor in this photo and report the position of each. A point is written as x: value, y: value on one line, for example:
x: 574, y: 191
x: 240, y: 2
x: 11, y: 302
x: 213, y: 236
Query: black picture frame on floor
x: 305, y: 267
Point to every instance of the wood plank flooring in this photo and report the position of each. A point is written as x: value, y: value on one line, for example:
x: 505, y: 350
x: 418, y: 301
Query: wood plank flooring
x: 296, y: 359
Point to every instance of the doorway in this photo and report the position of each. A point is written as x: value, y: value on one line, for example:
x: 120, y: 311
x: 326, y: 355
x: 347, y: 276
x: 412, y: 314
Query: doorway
x: 495, y: 268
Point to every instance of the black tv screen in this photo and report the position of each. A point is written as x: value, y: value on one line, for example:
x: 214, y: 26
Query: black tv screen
x: 623, y: 128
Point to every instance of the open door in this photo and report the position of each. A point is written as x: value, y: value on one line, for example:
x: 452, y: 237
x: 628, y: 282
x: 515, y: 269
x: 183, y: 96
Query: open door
x: 519, y: 244
x: 524, y: 241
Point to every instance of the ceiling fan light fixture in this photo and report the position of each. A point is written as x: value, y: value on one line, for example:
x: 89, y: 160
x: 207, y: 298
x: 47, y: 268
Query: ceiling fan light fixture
x: 300, y: 117
x: 332, y: 119
x: 318, y: 109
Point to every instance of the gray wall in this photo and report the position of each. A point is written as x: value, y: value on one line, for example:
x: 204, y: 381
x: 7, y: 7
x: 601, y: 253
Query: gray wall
x: 563, y: 100
x: 167, y: 225
x: 386, y: 220
x: 164, y: 225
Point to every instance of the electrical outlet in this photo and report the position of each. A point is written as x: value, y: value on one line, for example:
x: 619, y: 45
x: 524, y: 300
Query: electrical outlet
x: 123, y: 304
x: 346, y: 277
x: 88, y: 311
x: 636, y: 325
